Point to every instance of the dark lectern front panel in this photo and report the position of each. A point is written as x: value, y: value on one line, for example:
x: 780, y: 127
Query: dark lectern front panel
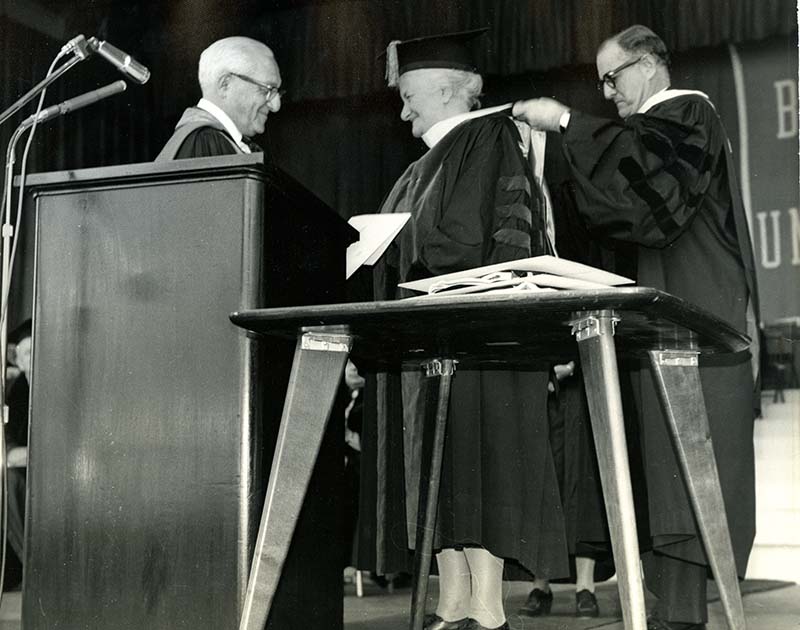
x: 144, y: 432
x: 149, y: 415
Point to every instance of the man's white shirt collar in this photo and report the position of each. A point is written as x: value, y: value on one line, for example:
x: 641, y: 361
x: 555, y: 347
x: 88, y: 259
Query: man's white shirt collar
x: 665, y: 95
x: 226, y: 122
x: 440, y: 129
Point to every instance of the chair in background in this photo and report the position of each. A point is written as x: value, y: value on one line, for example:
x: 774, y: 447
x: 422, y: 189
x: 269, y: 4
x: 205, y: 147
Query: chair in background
x: 781, y: 339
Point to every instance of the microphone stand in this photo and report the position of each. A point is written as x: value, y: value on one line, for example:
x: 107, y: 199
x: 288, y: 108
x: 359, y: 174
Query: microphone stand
x: 36, y: 89
x: 77, y: 46
x: 7, y: 232
x: 5, y: 283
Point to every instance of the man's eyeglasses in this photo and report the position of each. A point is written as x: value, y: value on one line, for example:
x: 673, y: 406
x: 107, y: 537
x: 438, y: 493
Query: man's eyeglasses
x: 267, y: 91
x: 610, y: 77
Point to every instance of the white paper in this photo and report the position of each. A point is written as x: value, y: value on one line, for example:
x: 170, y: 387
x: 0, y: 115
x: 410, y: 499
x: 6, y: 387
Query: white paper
x: 497, y: 283
x: 538, y: 264
x: 565, y: 282
x: 376, y: 232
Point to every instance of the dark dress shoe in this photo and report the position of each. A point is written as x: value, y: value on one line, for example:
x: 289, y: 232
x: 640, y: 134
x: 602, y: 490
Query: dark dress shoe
x: 538, y: 604
x: 474, y: 625
x: 654, y: 623
x: 586, y: 604
x: 435, y: 622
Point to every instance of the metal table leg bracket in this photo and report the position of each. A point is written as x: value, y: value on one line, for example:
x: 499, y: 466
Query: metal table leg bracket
x: 593, y: 323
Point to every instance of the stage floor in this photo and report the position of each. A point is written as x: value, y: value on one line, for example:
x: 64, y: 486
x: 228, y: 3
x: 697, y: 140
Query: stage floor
x: 768, y: 605
x: 776, y: 552
x: 775, y: 608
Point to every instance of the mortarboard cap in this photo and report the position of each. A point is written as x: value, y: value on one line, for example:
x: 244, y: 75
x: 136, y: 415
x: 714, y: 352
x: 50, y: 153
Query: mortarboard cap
x: 451, y: 50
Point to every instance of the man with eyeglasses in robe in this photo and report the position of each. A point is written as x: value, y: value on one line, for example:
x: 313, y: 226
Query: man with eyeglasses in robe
x: 241, y: 86
x: 662, y: 178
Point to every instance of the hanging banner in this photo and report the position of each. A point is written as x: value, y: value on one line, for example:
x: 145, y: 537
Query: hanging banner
x: 766, y: 77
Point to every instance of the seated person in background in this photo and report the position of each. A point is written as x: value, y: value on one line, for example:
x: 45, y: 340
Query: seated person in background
x: 240, y: 81
x: 473, y: 201
x: 16, y: 434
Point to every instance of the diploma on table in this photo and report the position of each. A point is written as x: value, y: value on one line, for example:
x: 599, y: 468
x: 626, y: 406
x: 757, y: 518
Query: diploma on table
x: 376, y: 231
x: 540, y: 273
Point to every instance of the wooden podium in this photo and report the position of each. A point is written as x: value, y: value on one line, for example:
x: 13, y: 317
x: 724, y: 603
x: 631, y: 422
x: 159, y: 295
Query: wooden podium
x: 153, y: 418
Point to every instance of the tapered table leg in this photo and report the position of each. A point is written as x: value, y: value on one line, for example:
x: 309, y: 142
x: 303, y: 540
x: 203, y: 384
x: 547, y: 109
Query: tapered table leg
x: 425, y: 530
x: 319, y: 359
x: 677, y: 378
x: 595, y: 334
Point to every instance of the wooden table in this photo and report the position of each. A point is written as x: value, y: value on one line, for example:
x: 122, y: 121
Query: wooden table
x: 511, y: 330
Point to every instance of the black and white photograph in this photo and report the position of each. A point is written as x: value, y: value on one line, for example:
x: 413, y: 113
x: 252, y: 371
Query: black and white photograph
x: 400, y: 315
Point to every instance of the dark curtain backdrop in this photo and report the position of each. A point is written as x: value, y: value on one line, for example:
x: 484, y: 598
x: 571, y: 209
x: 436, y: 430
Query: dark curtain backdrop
x: 339, y: 131
x: 330, y: 49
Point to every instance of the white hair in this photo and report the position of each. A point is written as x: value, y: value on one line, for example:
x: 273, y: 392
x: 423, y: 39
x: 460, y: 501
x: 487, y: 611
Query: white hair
x: 466, y: 86
x: 232, y: 54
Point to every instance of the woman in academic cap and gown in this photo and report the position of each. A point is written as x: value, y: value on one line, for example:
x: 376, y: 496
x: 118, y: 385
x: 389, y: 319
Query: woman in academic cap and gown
x: 473, y: 201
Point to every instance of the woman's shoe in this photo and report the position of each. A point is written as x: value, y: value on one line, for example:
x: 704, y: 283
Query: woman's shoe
x: 474, y: 625
x: 538, y: 604
x: 586, y: 604
x: 435, y: 622
x: 654, y: 623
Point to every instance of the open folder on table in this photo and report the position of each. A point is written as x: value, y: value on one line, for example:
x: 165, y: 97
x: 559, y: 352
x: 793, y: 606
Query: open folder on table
x: 376, y: 232
x: 540, y: 273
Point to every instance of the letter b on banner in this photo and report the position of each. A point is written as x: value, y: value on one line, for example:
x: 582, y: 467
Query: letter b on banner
x: 786, y: 98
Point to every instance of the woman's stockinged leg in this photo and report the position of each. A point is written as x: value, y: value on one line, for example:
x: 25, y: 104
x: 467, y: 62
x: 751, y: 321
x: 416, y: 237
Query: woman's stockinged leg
x: 486, y: 605
x: 584, y: 569
x: 454, y: 585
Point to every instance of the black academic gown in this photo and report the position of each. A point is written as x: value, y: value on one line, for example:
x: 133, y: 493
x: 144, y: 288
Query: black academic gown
x: 199, y: 134
x: 664, y: 181
x: 472, y: 203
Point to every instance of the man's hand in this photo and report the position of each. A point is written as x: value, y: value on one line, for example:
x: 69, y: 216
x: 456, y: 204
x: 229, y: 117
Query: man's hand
x: 562, y: 371
x: 540, y: 113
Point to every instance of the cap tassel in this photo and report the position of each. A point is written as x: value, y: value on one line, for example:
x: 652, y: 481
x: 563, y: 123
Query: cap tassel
x: 392, y: 64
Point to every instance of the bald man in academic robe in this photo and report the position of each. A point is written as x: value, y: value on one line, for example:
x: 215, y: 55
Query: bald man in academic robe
x: 241, y: 85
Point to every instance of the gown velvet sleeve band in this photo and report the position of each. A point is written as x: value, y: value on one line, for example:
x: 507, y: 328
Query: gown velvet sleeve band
x: 478, y: 207
x: 644, y: 177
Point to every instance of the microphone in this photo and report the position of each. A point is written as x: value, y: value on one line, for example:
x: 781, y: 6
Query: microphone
x: 75, y: 103
x: 126, y: 64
